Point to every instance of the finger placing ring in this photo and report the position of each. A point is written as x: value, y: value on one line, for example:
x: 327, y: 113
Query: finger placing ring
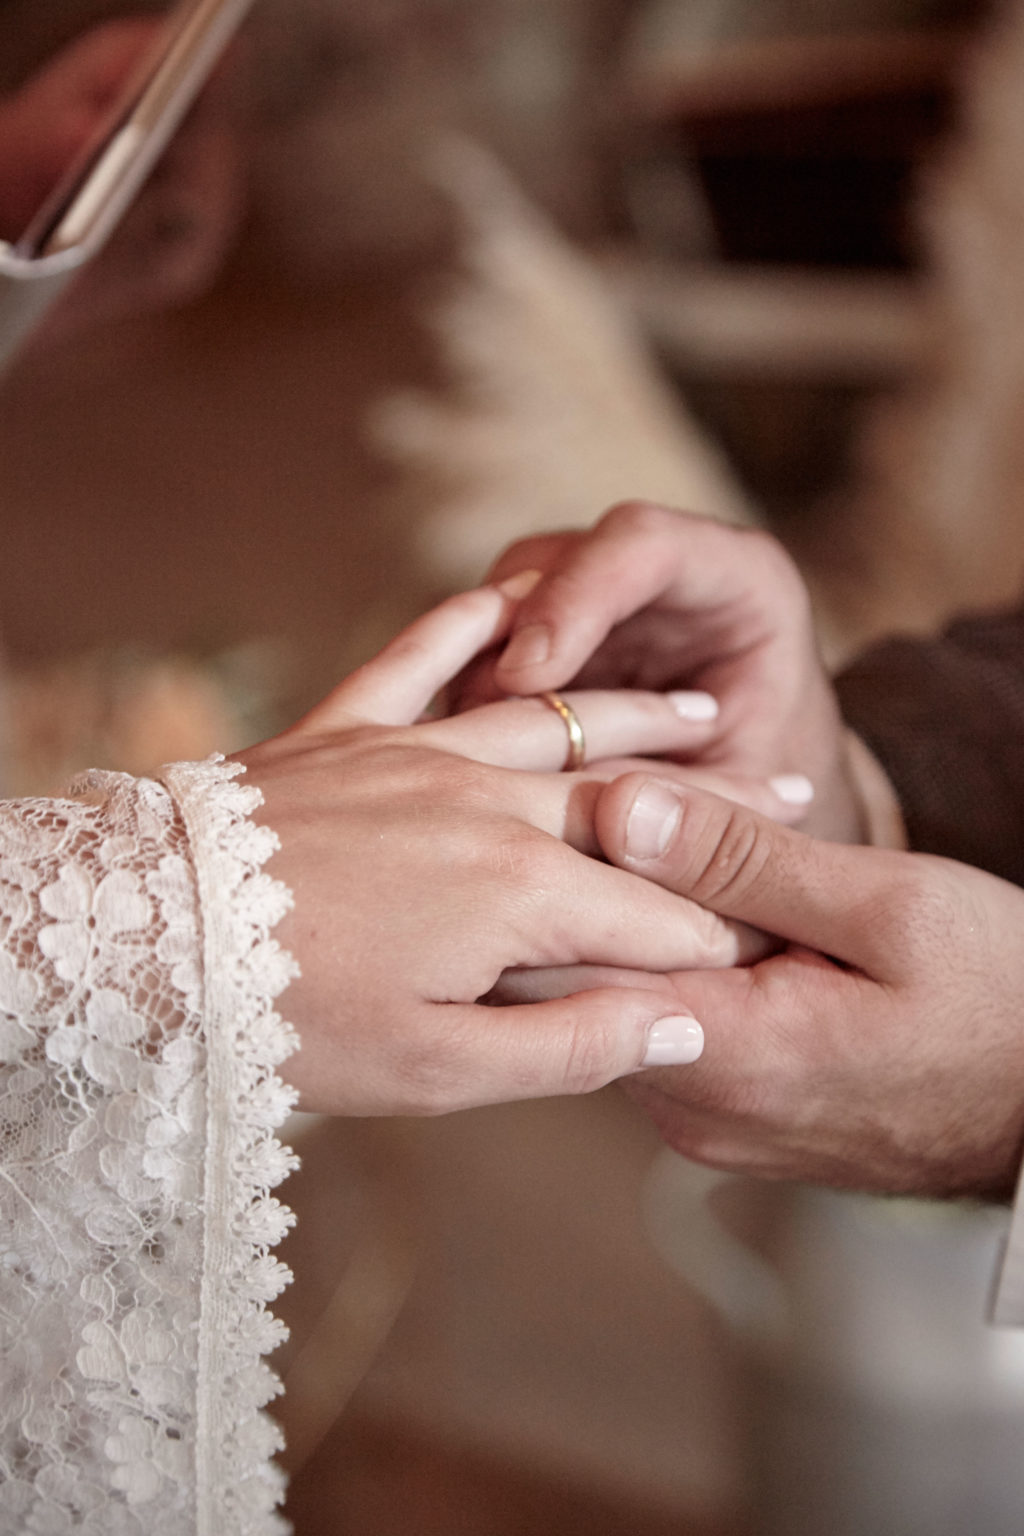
x: 577, y: 744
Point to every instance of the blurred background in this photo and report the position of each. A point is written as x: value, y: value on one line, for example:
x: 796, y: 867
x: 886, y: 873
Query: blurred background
x: 416, y: 278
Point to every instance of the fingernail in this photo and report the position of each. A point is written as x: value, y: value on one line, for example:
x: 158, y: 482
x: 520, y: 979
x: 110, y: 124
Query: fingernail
x: 519, y: 585
x: 694, y: 706
x: 653, y: 818
x: 530, y: 646
x: 793, y: 788
x: 674, y: 1042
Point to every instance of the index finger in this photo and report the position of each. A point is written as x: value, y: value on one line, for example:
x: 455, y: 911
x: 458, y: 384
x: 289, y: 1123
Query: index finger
x: 400, y: 682
x: 589, y: 588
x: 735, y: 581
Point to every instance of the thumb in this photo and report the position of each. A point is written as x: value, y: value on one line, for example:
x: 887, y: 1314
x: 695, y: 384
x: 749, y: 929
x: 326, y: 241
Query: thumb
x: 727, y: 858
x: 568, y: 1045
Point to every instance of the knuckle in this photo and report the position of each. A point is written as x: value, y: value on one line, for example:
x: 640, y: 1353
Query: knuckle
x: 522, y: 859
x: 589, y: 1054
x: 443, y: 782
x: 640, y: 518
x: 766, y: 545
x: 533, y: 549
x: 730, y: 856
x: 917, y: 909
x: 714, y: 943
x: 777, y: 566
x: 399, y: 768
x: 564, y: 590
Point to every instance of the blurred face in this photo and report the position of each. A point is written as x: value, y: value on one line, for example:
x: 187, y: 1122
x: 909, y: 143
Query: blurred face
x: 51, y: 117
x: 171, y: 240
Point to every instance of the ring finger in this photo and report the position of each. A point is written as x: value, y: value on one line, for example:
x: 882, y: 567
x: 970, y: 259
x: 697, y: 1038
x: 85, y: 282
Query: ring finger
x: 533, y: 734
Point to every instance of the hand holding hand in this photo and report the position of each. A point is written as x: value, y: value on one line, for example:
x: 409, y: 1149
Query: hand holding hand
x: 421, y: 871
x: 882, y: 1048
x: 662, y: 600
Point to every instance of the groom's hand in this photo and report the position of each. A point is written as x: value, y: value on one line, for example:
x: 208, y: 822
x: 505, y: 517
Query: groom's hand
x: 658, y: 599
x: 881, y: 1048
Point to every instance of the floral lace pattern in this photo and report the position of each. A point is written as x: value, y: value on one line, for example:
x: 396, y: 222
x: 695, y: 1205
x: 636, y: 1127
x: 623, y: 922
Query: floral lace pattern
x: 138, y: 1103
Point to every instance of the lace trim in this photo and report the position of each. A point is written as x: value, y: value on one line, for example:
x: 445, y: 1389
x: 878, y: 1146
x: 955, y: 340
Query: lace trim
x: 238, y: 1485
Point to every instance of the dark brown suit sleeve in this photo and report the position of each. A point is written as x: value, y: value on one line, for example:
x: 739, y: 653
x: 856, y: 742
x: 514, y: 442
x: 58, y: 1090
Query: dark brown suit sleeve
x: 945, y: 717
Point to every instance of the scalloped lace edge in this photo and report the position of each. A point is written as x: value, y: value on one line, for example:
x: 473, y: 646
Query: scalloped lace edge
x: 238, y: 1484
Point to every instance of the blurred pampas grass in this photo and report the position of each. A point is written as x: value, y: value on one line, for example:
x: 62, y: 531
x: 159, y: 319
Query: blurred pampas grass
x: 555, y: 408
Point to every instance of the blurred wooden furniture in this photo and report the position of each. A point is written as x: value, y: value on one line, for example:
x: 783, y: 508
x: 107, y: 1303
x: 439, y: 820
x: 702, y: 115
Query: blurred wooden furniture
x: 807, y: 148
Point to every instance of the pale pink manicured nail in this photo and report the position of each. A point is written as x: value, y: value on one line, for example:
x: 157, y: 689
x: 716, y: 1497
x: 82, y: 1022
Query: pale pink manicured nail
x: 530, y: 646
x: 674, y: 1042
x: 519, y: 585
x: 653, y: 818
x: 694, y: 706
x: 793, y: 788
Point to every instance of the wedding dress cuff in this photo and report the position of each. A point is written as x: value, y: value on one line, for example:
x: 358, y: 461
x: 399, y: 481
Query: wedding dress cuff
x: 244, y: 970
x: 139, y: 1100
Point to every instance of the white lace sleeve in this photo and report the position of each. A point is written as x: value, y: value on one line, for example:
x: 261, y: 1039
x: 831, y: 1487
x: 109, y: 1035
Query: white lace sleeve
x: 138, y: 1104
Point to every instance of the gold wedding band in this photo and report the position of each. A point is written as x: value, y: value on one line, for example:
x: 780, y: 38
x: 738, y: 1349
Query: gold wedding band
x: 577, y: 744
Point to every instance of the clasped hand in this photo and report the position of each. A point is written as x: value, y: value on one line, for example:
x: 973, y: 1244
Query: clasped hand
x: 425, y: 863
x: 874, y: 1043
x: 881, y: 1045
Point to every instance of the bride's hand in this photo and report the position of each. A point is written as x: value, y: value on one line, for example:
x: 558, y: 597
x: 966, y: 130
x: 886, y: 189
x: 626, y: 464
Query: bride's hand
x: 424, y: 863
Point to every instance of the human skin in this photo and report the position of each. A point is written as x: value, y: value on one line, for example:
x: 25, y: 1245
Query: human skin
x: 881, y: 1047
x: 658, y: 599
x: 173, y: 239
x: 421, y: 871
x: 877, y: 1047
x: 50, y: 118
